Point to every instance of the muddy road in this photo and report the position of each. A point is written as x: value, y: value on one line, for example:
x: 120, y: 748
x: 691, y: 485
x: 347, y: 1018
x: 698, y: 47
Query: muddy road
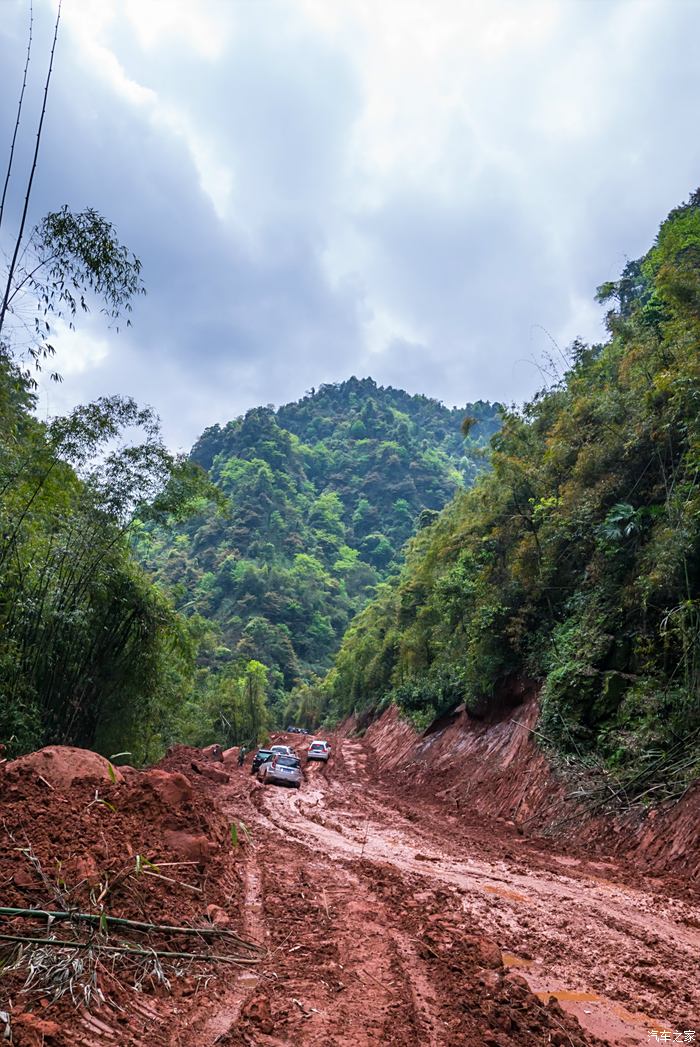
x: 378, y: 912
x: 382, y: 914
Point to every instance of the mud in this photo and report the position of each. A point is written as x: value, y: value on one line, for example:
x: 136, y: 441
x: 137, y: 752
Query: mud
x: 495, y: 769
x: 386, y: 914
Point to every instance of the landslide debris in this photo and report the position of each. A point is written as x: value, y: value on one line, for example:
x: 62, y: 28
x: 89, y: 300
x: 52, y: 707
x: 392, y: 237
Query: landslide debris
x: 151, y: 847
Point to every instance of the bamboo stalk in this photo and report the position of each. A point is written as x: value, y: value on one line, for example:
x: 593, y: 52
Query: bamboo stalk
x: 20, y: 235
x: 19, y: 115
x: 238, y: 961
x: 120, y: 921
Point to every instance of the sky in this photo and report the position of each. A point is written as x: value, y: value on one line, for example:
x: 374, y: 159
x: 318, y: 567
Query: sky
x: 424, y: 192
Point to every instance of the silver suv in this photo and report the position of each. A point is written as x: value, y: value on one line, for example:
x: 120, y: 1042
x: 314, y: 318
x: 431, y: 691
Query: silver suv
x: 318, y: 751
x: 281, y: 770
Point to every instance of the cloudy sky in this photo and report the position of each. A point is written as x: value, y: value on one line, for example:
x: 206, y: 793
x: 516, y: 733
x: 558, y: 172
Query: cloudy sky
x: 427, y: 191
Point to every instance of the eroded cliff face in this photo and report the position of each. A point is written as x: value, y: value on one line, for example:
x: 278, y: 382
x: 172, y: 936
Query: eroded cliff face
x: 497, y: 769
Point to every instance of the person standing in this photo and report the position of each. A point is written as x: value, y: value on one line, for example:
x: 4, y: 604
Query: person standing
x: 241, y: 755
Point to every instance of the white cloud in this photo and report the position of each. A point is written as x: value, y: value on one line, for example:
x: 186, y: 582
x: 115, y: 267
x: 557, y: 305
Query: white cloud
x: 320, y: 188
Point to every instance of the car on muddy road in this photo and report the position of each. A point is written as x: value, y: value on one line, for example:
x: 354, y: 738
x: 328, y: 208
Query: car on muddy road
x: 282, y: 750
x: 261, y: 756
x: 281, y: 770
x: 318, y: 750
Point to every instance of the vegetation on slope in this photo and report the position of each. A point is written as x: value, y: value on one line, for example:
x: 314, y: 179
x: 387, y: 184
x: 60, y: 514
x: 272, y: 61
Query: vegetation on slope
x: 575, y: 561
x: 88, y: 646
x: 319, y: 498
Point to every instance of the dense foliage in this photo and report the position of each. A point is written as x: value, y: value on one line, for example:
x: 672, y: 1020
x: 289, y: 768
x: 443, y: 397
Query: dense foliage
x: 321, y: 496
x: 91, y: 653
x: 575, y: 561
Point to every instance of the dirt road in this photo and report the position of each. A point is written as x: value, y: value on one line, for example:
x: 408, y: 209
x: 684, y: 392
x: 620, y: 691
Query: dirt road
x: 386, y: 915
x: 382, y: 914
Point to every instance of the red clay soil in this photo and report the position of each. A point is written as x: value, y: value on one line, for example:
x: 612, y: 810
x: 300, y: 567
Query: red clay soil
x: 496, y: 770
x: 388, y: 914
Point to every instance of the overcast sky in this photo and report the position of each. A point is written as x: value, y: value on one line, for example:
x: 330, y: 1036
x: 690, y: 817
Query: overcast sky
x: 424, y: 192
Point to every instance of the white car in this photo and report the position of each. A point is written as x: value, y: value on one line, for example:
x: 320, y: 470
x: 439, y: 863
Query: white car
x: 318, y: 750
x: 282, y: 750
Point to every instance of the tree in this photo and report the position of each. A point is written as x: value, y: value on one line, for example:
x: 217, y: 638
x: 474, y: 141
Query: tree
x: 67, y: 260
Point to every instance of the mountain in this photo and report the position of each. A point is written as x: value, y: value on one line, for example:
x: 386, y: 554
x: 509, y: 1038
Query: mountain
x: 320, y: 497
x: 575, y: 562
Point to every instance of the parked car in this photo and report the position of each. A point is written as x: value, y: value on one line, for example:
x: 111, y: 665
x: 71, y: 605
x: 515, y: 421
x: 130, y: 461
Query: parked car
x: 260, y: 757
x: 281, y: 770
x: 318, y: 750
x: 282, y: 750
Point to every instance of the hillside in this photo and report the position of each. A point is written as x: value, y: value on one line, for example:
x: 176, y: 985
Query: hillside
x: 575, y: 562
x: 319, y: 498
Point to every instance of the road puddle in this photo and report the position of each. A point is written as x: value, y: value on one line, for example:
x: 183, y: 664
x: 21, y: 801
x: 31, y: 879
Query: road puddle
x: 569, y: 996
x: 602, y: 1017
x: 502, y: 892
x: 246, y: 980
x: 511, y: 960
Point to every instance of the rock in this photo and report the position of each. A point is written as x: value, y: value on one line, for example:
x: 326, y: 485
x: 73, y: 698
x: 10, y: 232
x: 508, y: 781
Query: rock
x: 218, y: 916
x: 171, y: 787
x: 61, y: 765
x: 516, y: 987
x: 488, y: 953
x: 189, y: 848
x: 213, y: 752
x: 216, y: 775
x: 230, y: 757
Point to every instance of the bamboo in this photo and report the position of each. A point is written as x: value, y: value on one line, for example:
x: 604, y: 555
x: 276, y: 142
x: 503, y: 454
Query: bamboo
x: 20, y: 235
x: 237, y: 961
x: 120, y: 921
x: 19, y: 114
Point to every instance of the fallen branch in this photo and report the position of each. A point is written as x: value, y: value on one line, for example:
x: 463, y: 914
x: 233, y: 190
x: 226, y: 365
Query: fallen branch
x: 137, y: 925
x: 428, y: 947
x: 57, y: 943
x: 381, y: 985
x: 169, y: 879
x: 532, y: 731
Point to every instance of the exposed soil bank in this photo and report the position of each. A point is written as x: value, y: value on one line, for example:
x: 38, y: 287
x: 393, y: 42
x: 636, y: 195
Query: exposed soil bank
x: 497, y: 771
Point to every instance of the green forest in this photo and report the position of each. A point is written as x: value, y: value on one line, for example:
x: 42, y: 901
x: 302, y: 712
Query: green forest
x: 92, y: 653
x: 575, y: 561
x: 316, y: 502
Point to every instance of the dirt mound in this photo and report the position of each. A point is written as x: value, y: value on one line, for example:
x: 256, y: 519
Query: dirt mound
x: 61, y: 765
x: 150, y: 846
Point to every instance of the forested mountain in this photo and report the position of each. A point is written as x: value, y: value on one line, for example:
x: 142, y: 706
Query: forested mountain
x: 576, y: 560
x: 319, y: 498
